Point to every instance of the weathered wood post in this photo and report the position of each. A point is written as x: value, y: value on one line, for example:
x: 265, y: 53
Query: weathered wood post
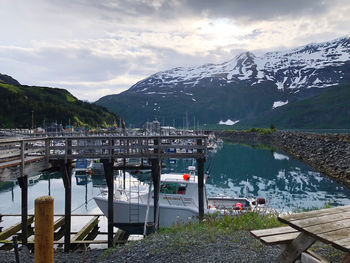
x: 66, y: 170
x: 44, y: 232
x: 23, y: 183
x: 124, y: 165
x: 156, y: 183
x: 200, y: 172
x: 156, y: 171
x: 47, y: 151
x: 108, y: 167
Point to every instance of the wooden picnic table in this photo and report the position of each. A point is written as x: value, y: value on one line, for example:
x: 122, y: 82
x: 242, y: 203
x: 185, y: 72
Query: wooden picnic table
x: 331, y: 226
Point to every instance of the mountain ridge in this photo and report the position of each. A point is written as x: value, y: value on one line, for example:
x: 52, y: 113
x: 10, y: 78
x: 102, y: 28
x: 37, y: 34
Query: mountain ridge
x: 19, y: 102
x: 241, y: 88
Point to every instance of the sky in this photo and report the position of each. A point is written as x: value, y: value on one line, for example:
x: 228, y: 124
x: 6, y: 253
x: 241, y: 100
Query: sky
x: 95, y: 48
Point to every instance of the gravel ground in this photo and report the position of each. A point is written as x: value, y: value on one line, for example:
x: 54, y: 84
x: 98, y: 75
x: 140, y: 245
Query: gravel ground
x: 239, y: 246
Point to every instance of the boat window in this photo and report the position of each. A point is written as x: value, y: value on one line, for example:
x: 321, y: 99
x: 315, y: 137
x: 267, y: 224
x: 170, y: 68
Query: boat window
x: 173, y: 188
x: 80, y: 172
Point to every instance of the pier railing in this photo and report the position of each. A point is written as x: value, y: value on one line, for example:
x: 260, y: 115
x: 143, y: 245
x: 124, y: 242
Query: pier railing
x: 24, y: 151
x: 126, y: 147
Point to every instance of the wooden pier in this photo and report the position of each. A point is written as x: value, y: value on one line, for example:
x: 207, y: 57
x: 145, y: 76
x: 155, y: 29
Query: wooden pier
x: 61, y: 151
x: 84, y: 237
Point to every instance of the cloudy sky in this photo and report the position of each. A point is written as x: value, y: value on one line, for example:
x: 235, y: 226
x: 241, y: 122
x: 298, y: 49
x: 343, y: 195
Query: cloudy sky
x: 99, y: 47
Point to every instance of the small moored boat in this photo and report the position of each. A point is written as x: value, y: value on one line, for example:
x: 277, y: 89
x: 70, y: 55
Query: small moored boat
x: 178, y: 202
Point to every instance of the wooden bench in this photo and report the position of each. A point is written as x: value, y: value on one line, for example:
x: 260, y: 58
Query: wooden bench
x: 284, y: 236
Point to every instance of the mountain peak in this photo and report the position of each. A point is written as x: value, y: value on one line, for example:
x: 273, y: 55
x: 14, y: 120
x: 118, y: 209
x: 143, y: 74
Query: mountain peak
x: 294, y: 69
x: 8, y: 80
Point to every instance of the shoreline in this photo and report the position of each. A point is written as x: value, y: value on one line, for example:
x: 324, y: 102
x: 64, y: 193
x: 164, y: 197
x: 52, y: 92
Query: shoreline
x: 326, y: 153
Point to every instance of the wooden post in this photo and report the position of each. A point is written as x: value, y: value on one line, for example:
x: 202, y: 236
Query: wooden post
x: 108, y: 167
x: 43, y: 245
x: 156, y: 171
x: 200, y: 168
x: 124, y: 164
x: 66, y: 170
x: 293, y: 250
x: 200, y: 173
x: 47, y: 151
x: 23, y: 183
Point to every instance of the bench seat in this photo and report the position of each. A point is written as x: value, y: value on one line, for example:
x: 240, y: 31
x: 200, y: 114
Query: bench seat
x: 283, y: 236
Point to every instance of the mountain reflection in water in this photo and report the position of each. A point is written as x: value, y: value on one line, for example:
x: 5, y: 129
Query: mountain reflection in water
x: 286, y: 183
x: 236, y: 170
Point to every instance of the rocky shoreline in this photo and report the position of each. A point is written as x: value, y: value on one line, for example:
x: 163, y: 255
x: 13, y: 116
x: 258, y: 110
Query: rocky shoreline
x: 201, y: 246
x: 327, y: 153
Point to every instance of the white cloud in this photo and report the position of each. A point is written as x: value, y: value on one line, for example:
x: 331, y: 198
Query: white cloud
x: 96, y: 47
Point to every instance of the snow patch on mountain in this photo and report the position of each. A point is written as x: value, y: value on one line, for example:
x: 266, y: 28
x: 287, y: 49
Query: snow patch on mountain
x: 292, y: 69
x: 279, y: 104
x: 228, y: 122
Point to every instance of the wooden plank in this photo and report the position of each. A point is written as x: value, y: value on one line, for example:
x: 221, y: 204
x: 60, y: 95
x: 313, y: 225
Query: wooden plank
x: 313, y: 221
x: 315, y: 213
x: 343, y: 243
x: 279, y: 239
x: 85, y: 230
x: 120, y: 237
x: 314, y: 257
x: 327, y: 227
x: 90, y: 242
x: 273, y: 231
x: 295, y: 248
x: 339, y: 234
x: 14, y: 229
x: 58, y: 223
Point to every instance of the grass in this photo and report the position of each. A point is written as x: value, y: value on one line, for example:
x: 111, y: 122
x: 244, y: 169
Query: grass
x: 183, y: 237
x: 245, y: 221
x: 216, y: 231
x: 264, y: 131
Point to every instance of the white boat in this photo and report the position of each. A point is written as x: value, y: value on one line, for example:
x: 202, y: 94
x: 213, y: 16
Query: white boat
x: 97, y: 168
x: 82, y: 167
x: 178, y: 202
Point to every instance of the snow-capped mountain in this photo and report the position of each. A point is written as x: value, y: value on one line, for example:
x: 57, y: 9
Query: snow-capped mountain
x: 241, y: 88
x: 295, y: 69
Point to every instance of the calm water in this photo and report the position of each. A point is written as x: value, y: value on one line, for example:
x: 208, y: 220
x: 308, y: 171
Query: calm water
x: 237, y: 170
x: 286, y: 183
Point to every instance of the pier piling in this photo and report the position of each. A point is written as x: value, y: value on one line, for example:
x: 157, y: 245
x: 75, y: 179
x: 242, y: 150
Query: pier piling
x: 108, y: 167
x: 156, y: 171
x: 43, y: 245
x: 23, y: 183
x: 200, y: 168
x: 66, y: 170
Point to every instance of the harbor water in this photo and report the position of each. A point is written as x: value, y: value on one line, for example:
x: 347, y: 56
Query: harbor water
x: 235, y: 170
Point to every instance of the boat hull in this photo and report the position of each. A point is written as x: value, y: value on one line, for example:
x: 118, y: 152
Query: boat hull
x: 126, y: 214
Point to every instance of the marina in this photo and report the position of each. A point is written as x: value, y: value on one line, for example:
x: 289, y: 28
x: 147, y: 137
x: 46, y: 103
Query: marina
x: 60, y: 152
x: 285, y: 183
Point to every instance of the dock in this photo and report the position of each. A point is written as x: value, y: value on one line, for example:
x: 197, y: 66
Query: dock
x: 83, y: 238
x: 59, y: 151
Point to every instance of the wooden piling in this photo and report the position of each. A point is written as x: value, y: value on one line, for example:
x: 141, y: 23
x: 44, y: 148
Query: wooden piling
x: 43, y: 246
x: 66, y: 170
x: 200, y: 167
x: 156, y: 171
x: 23, y: 183
x: 200, y: 173
x: 108, y: 167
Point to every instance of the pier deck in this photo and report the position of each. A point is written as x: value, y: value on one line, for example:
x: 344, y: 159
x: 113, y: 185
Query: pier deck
x: 60, y: 151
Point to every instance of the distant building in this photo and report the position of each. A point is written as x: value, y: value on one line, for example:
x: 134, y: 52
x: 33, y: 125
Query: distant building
x: 168, y: 130
x: 69, y: 128
x: 152, y: 127
x: 54, y: 127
